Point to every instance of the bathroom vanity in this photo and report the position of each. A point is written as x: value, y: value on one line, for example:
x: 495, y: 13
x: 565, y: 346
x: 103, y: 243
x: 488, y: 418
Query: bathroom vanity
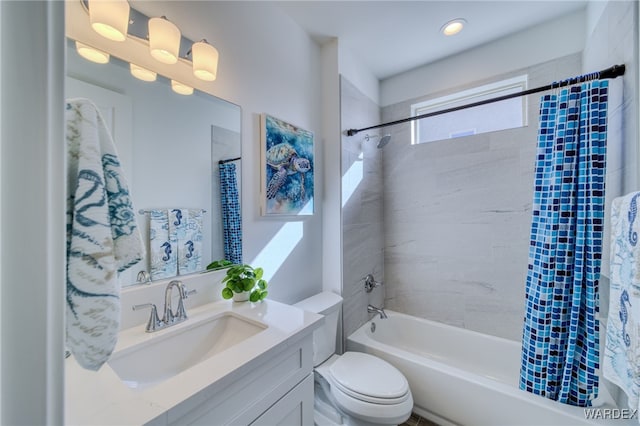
x: 228, y: 363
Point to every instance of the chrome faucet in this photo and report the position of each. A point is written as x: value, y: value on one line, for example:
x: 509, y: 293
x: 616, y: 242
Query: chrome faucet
x: 372, y: 309
x: 143, y: 277
x: 170, y: 318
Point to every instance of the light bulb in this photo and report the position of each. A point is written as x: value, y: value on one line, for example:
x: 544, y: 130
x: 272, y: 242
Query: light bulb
x: 92, y: 54
x: 142, y: 73
x: 453, y: 27
x: 205, y: 60
x: 164, y: 40
x: 110, y: 18
x: 181, y: 88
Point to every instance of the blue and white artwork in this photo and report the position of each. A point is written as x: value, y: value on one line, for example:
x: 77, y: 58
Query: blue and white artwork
x: 288, y: 161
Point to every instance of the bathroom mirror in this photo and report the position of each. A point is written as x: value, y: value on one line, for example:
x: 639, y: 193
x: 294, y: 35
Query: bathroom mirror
x: 169, y: 144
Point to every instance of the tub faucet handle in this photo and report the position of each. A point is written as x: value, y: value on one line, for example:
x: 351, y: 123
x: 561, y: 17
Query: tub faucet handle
x: 370, y: 283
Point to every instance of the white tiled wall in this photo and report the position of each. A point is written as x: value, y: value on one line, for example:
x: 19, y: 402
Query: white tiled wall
x: 614, y: 41
x: 362, y: 226
x: 457, y: 215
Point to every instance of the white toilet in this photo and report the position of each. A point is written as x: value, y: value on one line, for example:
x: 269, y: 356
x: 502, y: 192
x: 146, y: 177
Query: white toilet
x: 354, y: 388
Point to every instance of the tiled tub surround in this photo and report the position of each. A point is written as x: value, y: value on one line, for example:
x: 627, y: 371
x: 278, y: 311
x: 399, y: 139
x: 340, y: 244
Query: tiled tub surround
x: 283, y: 348
x: 362, y: 222
x: 462, y: 377
x: 457, y: 215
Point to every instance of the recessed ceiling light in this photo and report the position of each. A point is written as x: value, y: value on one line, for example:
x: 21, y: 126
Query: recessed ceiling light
x: 453, y: 27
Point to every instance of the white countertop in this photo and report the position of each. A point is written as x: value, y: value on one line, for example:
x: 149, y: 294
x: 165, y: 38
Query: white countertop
x: 102, y: 398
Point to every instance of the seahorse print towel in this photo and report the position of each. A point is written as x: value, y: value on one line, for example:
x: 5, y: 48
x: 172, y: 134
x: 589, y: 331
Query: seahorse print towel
x: 163, y: 241
x: 622, y: 350
x: 189, y: 235
x: 102, y: 236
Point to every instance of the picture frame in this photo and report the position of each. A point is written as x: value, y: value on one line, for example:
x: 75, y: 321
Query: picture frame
x: 287, y: 162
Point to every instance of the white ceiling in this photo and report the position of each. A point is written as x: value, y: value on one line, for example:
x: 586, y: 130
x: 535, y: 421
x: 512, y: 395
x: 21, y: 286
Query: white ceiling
x: 390, y: 37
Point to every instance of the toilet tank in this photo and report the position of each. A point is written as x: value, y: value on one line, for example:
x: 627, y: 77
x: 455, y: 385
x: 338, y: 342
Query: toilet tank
x: 324, y: 337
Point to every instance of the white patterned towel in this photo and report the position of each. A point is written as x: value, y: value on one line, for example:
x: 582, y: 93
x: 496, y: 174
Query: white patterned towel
x: 102, y: 236
x: 622, y: 350
x: 190, y: 241
x: 163, y: 256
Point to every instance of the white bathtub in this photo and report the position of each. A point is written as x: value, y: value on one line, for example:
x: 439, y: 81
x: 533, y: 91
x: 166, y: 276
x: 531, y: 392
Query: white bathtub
x: 462, y: 377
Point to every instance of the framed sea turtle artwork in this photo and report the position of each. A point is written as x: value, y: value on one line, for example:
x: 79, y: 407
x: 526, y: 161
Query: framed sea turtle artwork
x: 288, y: 168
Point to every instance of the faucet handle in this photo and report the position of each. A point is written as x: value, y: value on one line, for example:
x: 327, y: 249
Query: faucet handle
x: 181, y: 312
x: 154, y: 322
x: 143, y: 277
x: 370, y: 283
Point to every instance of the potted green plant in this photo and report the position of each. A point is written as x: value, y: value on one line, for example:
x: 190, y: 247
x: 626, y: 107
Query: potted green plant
x: 243, y: 282
x: 219, y: 264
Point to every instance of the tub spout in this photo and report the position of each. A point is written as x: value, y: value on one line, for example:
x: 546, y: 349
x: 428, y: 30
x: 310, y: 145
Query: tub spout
x: 372, y: 309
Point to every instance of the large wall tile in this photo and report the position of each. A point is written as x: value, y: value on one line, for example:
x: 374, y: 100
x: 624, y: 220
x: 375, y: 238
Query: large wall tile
x: 457, y: 217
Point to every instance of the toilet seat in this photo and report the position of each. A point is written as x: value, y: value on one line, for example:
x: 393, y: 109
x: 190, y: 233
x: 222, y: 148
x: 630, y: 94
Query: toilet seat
x: 369, y: 379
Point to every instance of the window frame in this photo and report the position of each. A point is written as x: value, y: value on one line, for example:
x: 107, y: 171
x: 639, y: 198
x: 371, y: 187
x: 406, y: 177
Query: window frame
x: 475, y: 94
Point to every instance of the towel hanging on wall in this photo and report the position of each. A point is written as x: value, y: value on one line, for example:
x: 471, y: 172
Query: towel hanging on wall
x: 189, y: 233
x: 163, y: 240
x: 622, y: 349
x: 102, y: 236
x: 175, y: 241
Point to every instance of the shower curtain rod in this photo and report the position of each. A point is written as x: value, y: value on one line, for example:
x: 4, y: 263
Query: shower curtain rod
x: 611, y: 72
x: 229, y: 160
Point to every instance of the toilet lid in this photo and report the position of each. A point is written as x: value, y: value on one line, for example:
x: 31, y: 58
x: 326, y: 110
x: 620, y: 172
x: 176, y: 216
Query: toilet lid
x: 369, y: 378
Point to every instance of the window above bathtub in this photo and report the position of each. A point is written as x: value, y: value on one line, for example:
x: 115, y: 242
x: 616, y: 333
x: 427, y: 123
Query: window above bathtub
x: 507, y: 114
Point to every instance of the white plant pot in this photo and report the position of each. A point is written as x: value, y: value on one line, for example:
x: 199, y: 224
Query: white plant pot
x: 241, y: 297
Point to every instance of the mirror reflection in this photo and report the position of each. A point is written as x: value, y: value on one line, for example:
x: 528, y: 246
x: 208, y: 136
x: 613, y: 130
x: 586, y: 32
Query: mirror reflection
x: 170, y: 145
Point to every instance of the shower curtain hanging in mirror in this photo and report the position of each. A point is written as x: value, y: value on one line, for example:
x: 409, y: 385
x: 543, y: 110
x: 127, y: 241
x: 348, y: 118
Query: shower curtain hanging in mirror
x: 231, y: 218
x: 560, y: 334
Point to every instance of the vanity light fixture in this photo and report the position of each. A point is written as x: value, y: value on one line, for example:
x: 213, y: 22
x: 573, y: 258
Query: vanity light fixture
x: 181, y: 88
x: 453, y: 27
x: 142, y: 73
x: 92, y: 54
x: 205, y: 60
x: 110, y: 18
x: 164, y: 40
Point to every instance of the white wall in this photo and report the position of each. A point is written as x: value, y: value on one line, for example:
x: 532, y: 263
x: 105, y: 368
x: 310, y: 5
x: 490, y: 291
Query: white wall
x: 554, y: 39
x: 332, y: 212
x: 358, y: 74
x: 33, y: 219
x: 268, y: 64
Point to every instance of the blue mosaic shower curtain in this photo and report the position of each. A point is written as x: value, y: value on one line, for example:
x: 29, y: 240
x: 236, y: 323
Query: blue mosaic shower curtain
x: 560, y: 351
x: 231, y: 219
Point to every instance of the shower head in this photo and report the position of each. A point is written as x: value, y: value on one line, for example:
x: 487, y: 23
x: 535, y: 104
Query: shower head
x: 382, y: 142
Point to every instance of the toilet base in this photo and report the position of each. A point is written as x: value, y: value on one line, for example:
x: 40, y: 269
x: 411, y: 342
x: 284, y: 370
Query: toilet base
x: 325, y: 412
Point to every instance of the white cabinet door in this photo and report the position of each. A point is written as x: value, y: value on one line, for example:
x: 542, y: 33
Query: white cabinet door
x: 293, y: 409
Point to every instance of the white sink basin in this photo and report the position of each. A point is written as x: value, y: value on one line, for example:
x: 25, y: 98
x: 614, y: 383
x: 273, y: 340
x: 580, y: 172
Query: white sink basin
x: 165, y: 353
